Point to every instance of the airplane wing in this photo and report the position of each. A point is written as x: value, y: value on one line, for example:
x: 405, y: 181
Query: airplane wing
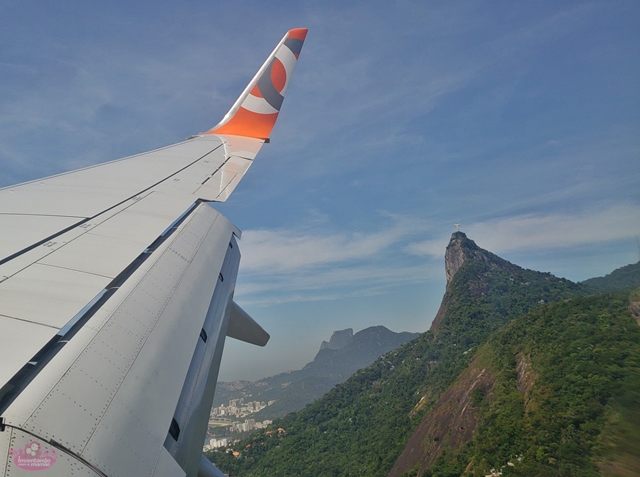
x: 116, y: 295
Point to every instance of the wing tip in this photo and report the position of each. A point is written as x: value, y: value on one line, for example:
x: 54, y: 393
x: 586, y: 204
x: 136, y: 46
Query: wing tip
x: 298, y: 33
x: 255, y: 112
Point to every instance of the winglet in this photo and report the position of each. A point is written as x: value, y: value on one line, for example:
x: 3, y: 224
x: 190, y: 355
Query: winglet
x: 255, y: 112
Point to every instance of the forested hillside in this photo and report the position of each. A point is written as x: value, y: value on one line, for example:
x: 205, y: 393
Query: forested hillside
x: 292, y: 390
x: 624, y: 278
x: 362, y: 425
x: 562, y: 398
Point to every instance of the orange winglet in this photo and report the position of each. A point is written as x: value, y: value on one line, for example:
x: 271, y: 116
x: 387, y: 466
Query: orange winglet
x: 298, y: 33
x: 255, y: 112
x: 249, y: 124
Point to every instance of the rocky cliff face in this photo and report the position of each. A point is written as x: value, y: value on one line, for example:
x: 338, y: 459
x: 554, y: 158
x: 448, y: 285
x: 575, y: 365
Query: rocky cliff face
x: 460, y: 251
x: 339, y: 339
x: 456, y: 254
x: 355, y: 351
x: 451, y: 423
x: 634, y: 305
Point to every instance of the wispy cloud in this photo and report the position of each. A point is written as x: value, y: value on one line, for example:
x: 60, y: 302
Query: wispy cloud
x: 552, y: 231
x: 311, y: 263
x: 289, y: 250
x: 343, y: 281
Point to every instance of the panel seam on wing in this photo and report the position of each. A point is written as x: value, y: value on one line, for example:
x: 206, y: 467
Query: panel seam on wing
x: 57, y: 234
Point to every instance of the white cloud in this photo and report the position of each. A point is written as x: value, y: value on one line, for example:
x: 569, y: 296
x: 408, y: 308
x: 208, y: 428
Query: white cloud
x: 288, y: 250
x: 282, y: 290
x: 341, y: 275
x: 314, y: 264
x: 536, y: 231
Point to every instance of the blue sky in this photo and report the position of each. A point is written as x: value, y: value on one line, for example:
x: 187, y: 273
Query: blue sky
x: 518, y: 120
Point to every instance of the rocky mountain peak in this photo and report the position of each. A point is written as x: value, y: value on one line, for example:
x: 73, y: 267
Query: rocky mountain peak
x: 459, y: 250
x: 339, y: 339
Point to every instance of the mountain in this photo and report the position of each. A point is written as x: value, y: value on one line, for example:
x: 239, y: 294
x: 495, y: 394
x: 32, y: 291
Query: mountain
x: 339, y: 339
x: 362, y: 426
x: 624, y: 278
x: 343, y: 355
x: 555, y: 392
x: 363, y: 349
x: 495, y: 288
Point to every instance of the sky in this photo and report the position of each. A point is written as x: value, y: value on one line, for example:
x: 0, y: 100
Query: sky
x: 518, y: 120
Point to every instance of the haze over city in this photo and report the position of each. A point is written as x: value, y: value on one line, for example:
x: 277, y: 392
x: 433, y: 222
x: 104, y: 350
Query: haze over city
x: 518, y: 121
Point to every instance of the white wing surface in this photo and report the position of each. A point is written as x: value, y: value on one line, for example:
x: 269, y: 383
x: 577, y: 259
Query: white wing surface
x: 116, y: 295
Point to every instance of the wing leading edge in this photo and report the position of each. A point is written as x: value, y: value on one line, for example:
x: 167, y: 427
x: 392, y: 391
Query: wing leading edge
x: 116, y: 295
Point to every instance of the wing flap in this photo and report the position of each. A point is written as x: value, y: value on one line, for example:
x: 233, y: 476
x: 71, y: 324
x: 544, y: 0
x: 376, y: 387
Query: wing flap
x: 141, y: 341
x: 48, y: 295
x: 94, y: 191
x: 87, y: 192
x: 100, y: 249
x: 26, y: 339
x: 52, y: 461
x: 167, y: 466
x: 32, y: 228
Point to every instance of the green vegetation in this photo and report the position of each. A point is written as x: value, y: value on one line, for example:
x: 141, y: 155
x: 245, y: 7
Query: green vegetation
x: 583, y: 410
x: 361, y: 426
x: 293, y: 390
x: 483, y: 297
x: 563, y: 397
x: 624, y: 278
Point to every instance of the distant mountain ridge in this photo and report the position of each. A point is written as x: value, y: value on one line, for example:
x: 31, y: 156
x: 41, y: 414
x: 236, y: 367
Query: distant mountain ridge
x: 505, y: 337
x: 336, y: 360
x: 360, y: 351
x: 339, y: 339
x: 624, y: 278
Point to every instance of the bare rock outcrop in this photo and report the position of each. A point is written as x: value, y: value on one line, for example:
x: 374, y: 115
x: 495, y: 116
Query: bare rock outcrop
x: 459, y: 251
x: 634, y: 305
x: 339, y: 339
x: 450, y: 423
x: 526, y: 376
